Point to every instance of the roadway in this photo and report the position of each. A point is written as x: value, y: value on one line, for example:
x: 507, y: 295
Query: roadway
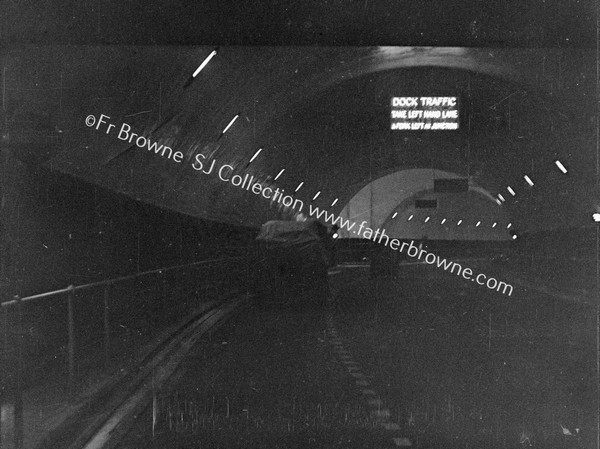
x: 422, y: 358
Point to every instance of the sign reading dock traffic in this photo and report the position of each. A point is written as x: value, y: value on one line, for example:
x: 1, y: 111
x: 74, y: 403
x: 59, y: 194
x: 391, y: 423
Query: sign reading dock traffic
x: 424, y: 113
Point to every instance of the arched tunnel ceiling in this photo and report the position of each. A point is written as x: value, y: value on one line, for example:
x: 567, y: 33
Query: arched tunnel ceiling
x: 322, y: 114
x: 463, y: 216
x: 375, y: 203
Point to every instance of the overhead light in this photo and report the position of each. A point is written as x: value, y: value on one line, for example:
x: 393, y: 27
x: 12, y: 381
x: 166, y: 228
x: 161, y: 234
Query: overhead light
x: 395, y: 213
x: 299, y: 185
x: 499, y: 202
x: 508, y: 226
x: 501, y: 197
x: 529, y: 181
x: 255, y: 154
x: 494, y: 225
x: 410, y: 218
x: 206, y: 61
x: 230, y: 123
x: 334, y: 201
x: 427, y: 219
x: 561, y: 166
x: 459, y: 222
x: 279, y: 174
x: 514, y: 237
x: 335, y: 235
x: 315, y: 197
x: 443, y: 221
x: 596, y: 217
x: 478, y: 223
x: 512, y: 192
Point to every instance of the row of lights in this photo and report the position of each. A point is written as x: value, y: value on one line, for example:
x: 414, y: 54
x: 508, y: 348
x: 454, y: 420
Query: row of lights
x: 501, y: 199
x: 395, y: 213
x: 457, y: 224
x: 232, y: 121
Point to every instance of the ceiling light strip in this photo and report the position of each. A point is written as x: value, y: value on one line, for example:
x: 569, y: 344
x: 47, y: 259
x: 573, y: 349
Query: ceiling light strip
x: 560, y: 166
x: 206, y: 61
x: 255, y: 154
x: 529, y: 181
x: 230, y: 123
x: 279, y: 174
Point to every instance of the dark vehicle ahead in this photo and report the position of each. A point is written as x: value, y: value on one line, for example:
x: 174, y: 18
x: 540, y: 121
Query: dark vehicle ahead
x: 293, y: 262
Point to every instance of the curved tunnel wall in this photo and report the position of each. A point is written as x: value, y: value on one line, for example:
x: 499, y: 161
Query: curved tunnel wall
x: 377, y: 201
x: 150, y: 89
x: 480, y: 219
x: 57, y: 230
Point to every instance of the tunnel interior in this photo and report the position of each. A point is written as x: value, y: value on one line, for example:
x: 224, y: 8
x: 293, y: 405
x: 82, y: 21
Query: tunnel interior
x: 129, y: 172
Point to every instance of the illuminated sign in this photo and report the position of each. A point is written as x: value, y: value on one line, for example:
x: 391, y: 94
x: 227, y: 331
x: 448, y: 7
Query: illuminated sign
x: 451, y: 185
x: 424, y: 113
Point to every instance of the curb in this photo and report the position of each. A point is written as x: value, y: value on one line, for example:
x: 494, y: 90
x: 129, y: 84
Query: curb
x: 69, y: 433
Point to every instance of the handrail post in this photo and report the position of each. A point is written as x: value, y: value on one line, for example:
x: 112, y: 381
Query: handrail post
x: 3, y: 357
x: 106, y: 327
x: 248, y: 259
x: 18, y: 411
x: 71, y: 343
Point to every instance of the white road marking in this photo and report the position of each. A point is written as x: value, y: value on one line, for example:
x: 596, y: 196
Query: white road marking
x: 374, y: 402
x: 402, y: 442
x: 383, y: 413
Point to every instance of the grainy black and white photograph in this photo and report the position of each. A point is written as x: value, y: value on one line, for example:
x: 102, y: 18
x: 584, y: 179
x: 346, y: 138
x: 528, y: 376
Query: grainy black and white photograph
x: 315, y: 224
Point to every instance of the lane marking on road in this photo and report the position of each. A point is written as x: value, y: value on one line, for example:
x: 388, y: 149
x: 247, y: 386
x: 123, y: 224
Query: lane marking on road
x: 402, y: 442
x: 381, y: 414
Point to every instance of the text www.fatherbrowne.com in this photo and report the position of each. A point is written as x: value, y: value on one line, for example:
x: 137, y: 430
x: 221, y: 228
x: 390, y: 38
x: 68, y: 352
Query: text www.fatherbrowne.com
x: 412, y: 250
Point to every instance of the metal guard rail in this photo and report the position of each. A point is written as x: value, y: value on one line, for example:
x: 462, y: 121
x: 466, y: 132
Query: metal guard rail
x: 17, y: 301
x: 72, y: 288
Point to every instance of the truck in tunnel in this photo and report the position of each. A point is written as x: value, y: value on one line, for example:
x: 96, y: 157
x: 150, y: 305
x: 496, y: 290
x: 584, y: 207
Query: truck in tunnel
x: 294, y: 257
